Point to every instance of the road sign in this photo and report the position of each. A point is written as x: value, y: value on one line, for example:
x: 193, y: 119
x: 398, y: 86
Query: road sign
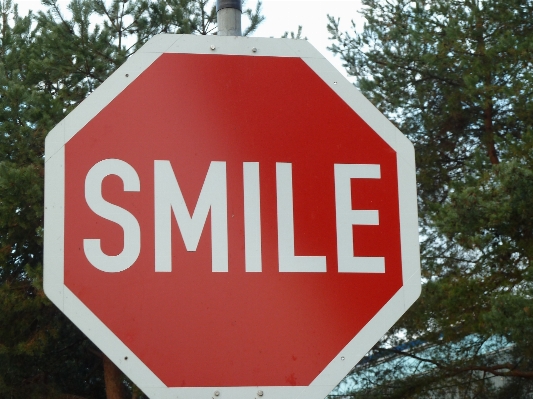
x: 229, y: 216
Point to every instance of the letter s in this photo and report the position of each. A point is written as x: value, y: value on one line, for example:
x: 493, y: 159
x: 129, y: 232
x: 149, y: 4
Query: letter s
x: 114, y: 213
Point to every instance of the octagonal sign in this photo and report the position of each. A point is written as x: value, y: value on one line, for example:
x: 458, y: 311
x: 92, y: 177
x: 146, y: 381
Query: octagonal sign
x: 230, y: 217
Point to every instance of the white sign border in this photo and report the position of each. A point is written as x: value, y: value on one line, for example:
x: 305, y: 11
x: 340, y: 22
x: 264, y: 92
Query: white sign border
x: 103, y: 337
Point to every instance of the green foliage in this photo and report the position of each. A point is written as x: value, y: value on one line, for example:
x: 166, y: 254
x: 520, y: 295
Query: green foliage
x: 511, y: 316
x: 255, y: 17
x: 457, y: 79
x: 297, y: 35
x: 50, y: 62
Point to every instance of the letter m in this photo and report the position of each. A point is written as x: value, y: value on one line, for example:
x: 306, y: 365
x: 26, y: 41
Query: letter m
x: 169, y: 198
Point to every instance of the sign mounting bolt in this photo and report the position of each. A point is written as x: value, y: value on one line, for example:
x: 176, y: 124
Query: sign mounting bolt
x: 217, y: 393
x: 259, y: 393
x: 254, y: 50
x: 212, y: 47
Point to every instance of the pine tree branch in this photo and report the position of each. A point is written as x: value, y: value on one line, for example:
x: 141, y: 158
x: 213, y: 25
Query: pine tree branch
x: 500, y: 370
x: 415, y: 70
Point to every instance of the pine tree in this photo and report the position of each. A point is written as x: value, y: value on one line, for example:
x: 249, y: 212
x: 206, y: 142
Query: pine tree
x: 457, y: 79
x: 50, y: 62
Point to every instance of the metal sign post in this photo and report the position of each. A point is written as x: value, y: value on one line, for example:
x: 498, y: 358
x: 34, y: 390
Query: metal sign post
x: 229, y: 17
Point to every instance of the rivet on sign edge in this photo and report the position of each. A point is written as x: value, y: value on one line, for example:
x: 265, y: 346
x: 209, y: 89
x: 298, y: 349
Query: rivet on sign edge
x: 127, y: 74
x: 259, y: 393
x: 334, y: 83
x: 342, y: 357
x: 254, y: 49
x: 217, y: 393
x: 212, y: 47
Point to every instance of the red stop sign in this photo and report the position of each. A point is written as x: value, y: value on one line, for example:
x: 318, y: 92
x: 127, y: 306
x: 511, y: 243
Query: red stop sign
x: 229, y: 216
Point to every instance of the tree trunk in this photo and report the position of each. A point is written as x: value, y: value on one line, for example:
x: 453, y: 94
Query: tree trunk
x: 488, y: 106
x: 113, y: 380
x: 489, y: 131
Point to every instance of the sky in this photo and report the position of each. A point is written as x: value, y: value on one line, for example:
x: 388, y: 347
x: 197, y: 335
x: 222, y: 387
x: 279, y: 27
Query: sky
x: 282, y: 16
